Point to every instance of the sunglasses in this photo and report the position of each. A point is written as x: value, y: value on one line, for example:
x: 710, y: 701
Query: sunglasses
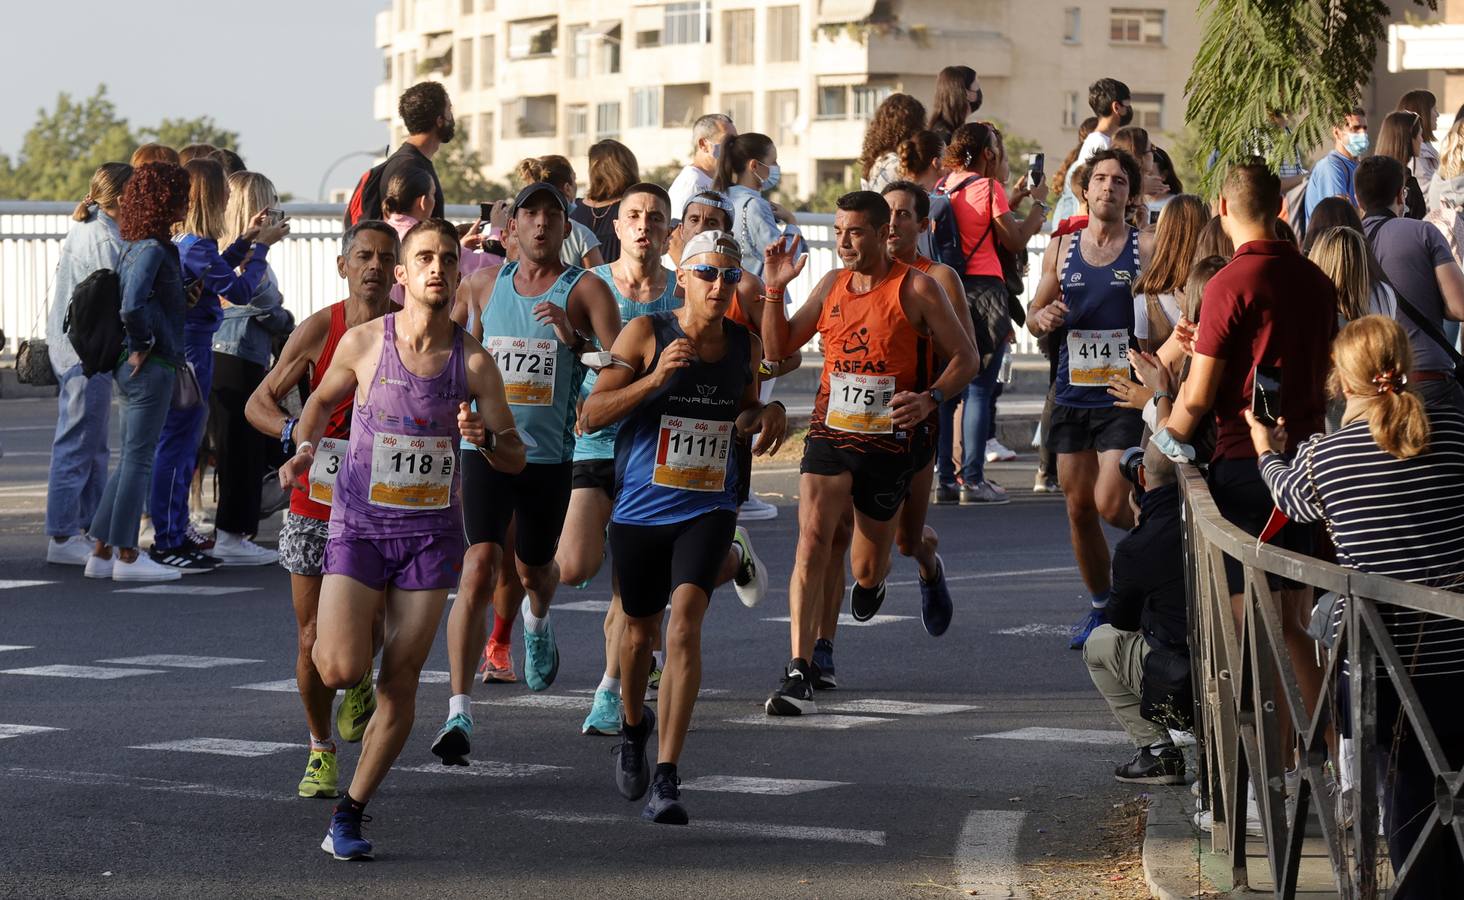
x: 731, y: 274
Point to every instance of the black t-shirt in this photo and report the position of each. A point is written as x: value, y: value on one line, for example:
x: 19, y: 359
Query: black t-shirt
x: 601, y: 220
x: 406, y: 157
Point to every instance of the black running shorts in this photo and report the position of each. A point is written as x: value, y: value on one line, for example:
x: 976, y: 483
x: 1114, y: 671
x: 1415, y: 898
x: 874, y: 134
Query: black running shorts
x: 881, y: 479
x: 1076, y: 429
x: 595, y: 473
x: 535, y: 500
x: 652, y: 561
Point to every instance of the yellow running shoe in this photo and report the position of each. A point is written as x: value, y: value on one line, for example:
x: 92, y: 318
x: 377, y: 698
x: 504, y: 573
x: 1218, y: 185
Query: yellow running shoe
x: 356, y: 708
x: 321, y: 776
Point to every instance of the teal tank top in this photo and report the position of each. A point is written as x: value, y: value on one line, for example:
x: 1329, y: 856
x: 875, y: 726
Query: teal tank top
x: 601, y: 444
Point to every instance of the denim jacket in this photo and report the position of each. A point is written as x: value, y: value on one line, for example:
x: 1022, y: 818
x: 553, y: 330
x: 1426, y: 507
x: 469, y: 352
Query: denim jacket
x: 89, y: 246
x: 153, y: 302
x: 247, y: 329
x: 754, y: 227
x: 202, y: 261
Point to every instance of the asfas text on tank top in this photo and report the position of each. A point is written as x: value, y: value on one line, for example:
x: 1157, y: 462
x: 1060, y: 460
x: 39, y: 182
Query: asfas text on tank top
x: 1095, y: 339
x: 313, y: 492
x: 400, y: 477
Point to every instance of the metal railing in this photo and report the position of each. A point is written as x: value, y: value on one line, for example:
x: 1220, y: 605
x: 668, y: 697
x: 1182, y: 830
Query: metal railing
x: 1245, y: 683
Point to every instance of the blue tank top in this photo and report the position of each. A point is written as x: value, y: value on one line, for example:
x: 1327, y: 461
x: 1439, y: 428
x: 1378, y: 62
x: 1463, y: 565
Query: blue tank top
x: 538, y: 370
x: 1100, y: 324
x: 675, y: 454
x: 601, y: 444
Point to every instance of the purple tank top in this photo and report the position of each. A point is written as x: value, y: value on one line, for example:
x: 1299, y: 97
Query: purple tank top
x: 400, y: 477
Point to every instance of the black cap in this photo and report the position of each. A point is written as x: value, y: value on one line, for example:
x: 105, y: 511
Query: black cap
x: 525, y: 195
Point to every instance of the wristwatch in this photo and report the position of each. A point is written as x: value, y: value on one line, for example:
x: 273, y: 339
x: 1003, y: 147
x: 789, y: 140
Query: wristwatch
x: 937, y: 395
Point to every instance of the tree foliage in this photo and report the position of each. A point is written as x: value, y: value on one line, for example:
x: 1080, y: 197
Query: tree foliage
x: 460, y: 172
x: 179, y: 133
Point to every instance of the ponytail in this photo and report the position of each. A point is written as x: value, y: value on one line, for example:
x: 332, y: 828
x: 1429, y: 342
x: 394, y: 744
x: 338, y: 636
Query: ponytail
x: 736, y: 154
x: 105, y: 191
x: 1399, y: 424
x: 918, y: 153
x: 553, y: 169
x: 1372, y: 360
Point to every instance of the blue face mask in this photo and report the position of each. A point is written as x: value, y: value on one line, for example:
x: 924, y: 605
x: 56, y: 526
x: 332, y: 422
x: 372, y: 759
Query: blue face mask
x: 775, y: 175
x: 1357, y: 143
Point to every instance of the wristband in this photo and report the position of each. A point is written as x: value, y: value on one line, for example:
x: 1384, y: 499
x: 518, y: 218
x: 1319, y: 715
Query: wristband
x: 288, y: 430
x: 300, y: 447
x: 1163, y: 395
x: 766, y: 368
x: 773, y: 293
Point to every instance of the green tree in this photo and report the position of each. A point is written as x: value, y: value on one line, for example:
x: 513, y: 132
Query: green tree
x: 179, y: 133
x: 460, y: 172
x: 64, y: 147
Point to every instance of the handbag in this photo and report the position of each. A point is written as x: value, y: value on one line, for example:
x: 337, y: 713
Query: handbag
x: 186, y: 392
x: 33, y: 363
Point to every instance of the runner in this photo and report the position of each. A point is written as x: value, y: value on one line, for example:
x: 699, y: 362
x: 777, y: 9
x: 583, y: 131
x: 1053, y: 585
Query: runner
x: 1086, y: 299
x: 369, y: 252
x: 534, y: 322
x: 682, y: 381
x: 396, y: 518
x: 877, y: 318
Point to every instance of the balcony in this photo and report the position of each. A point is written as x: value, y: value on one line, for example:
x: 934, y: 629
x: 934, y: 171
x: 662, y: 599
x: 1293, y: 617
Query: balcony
x: 383, y: 103
x: 433, y: 16
x: 912, y: 50
x: 1414, y: 47
x: 383, y: 29
x: 674, y: 64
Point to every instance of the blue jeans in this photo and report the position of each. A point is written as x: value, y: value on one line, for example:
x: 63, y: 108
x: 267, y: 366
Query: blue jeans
x: 978, y: 424
x: 145, y: 400
x: 78, y: 452
x: 177, y: 455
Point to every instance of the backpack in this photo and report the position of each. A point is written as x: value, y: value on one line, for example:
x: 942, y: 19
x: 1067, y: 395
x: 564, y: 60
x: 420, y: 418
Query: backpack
x: 365, y: 201
x: 94, y: 321
x: 945, y: 238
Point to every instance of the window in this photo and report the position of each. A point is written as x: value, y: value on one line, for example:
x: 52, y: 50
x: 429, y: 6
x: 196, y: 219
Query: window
x: 688, y: 23
x: 468, y: 7
x: 737, y: 37
x: 645, y: 107
x: 1072, y: 110
x: 533, y: 37
x: 530, y: 117
x: 782, y: 111
x: 486, y: 48
x: 607, y: 121
x: 738, y: 108
x: 1148, y: 111
x: 683, y: 104
x: 868, y: 97
x: 645, y: 39
x: 783, y: 35
x: 836, y: 171
x: 485, y: 138
x: 609, y: 56
x: 1136, y: 26
x: 577, y: 127
x: 1072, y: 25
x: 463, y: 63
x: 833, y: 101
x: 577, y: 41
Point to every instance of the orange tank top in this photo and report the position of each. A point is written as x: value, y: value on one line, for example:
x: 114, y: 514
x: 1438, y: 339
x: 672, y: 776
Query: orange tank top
x: 339, y: 425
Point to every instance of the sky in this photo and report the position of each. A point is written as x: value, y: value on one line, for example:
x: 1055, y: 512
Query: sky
x: 293, y: 77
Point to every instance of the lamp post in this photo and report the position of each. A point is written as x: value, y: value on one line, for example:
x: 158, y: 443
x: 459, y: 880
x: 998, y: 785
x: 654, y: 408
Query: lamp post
x: 320, y: 193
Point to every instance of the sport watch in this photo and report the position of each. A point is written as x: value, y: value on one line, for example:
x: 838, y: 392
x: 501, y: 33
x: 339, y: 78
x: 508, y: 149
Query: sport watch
x: 937, y: 395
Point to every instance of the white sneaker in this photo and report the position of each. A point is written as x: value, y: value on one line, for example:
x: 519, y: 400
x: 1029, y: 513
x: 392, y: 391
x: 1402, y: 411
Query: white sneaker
x: 236, y: 550
x: 142, y: 569
x: 757, y: 509
x: 74, y: 551
x: 996, y: 451
x: 96, y: 567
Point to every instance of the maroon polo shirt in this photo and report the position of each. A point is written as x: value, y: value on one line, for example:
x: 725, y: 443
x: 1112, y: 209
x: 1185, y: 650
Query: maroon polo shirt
x: 1270, y: 306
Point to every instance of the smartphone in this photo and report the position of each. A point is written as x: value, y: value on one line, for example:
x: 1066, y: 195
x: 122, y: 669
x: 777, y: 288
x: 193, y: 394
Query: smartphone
x: 1035, y: 173
x: 485, y: 211
x: 1266, y: 394
x: 274, y: 216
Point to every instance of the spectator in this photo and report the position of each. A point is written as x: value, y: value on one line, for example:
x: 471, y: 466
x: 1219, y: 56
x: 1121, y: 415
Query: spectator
x: 1139, y: 660
x: 426, y: 112
x: 1344, y: 256
x: 957, y: 96
x: 1400, y: 137
x: 231, y: 161
x: 1426, y: 106
x: 408, y: 200
x: 748, y: 169
x: 613, y: 169
x: 1333, y: 174
x: 1111, y: 102
x: 242, y: 349
x: 1214, y: 241
x: 1392, y: 452
x: 1159, y: 290
x: 190, y: 152
x: 1067, y: 204
x: 79, y: 449
x: 1154, y: 192
x: 1333, y: 212
x: 709, y: 137
x: 580, y: 247
x: 1450, y: 174
x: 1417, y: 262
x: 1164, y: 165
x: 153, y: 307
x: 899, y: 118
x: 154, y: 153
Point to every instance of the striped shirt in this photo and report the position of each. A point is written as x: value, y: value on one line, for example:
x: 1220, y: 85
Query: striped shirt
x: 1403, y: 518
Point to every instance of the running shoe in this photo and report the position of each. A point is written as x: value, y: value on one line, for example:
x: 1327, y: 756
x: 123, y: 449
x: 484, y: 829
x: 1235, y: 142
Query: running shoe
x: 996, y: 451
x: 632, y: 769
x: 794, y: 697
x: 1045, y: 484
x: 73, y: 551
x: 865, y: 602
x: 451, y: 744
x: 321, y: 776
x: 1147, y: 767
x: 343, y: 840
x: 604, y: 717
x: 184, y: 559
x: 653, y: 681
x: 823, y: 665
x: 935, y: 601
x: 946, y: 494
x: 191, y: 535
x: 983, y: 493
x: 144, y: 568
x: 356, y: 708
x: 541, y: 655
x: 756, y: 509
x: 497, y: 665
x: 750, y: 585
x: 237, y: 550
x: 96, y: 567
x: 1092, y: 619
x: 664, y: 807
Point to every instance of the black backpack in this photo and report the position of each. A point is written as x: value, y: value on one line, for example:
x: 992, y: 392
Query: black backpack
x: 94, y: 321
x: 945, y: 230
x: 365, y: 202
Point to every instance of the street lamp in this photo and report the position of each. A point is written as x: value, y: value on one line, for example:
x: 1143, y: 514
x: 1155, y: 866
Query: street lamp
x: 320, y: 194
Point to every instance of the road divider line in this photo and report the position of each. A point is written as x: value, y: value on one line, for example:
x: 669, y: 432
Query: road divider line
x: 818, y: 721
x: 771, y: 787
x: 5, y: 647
x: 1058, y: 735
x: 898, y: 707
x: 180, y: 661
x: 485, y: 768
x: 194, y: 590
x: 743, y: 829
x: 16, y: 585
x: 986, y: 854
x: 11, y: 731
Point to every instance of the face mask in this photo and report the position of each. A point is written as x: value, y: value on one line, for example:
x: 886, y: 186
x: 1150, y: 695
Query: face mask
x: 446, y: 131
x: 1127, y: 117
x: 1357, y: 144
x: 775, y: 175
x: 717, y: 151
x: 976, y: 104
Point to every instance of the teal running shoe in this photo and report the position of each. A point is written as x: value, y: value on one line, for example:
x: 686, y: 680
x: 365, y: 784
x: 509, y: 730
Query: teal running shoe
x: 451, y: 744
x: 541, y: 656
x: 604, y: 717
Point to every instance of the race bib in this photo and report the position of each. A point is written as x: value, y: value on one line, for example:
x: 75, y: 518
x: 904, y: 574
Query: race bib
x: 860, y: 403
x: 527, y: 365
x: 691, y: 454
x: 1096, y: 356
x: 412, y: 472
x: 330, y: 455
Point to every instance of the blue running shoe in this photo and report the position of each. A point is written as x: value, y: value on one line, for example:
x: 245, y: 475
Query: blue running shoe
x: 541, y: 656
x: 664, y: 807
x: 935, y: 602
x: 451, y: 744
x: 823, y: 665
x: 1085, y: 626
x: 343, y: 840
x: 604, y: 717
x: 632, y: 769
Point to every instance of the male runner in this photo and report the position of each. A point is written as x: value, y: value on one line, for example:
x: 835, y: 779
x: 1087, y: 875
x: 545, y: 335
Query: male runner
x: 534, y: 322
x: 877, y: 318
x: 369, y: 252
x: 682, y: 382
x: 396, y: 518
x: 1086, y: 298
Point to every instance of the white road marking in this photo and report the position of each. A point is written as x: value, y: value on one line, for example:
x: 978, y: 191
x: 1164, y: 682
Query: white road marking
x: 773, y: 787
x: 848, y: 621
x: 977, y: 576
x: 428, y: 676
x: 283, y: 686
x: 195, y: 590
x: 589, y: 606
x: 746, y: 829
x: 10, y: 731
x: 539, y: 701
x: 986, y: 854
x: 220, y: 746
x: 899, y: 708
x: 1059, y: 735
x: 107, y: 779
x: 485, y: 768
x: 704, y: 692
x: 819, y: 720
x: 1036, y: 630
x: 180, y: 661
x: 13, y: 585
x: 95, y: 672
x: 4, y: 647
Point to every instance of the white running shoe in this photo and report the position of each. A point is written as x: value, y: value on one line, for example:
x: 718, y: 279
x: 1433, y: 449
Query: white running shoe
x: 750, y: 582
x: 757, y: 510
x: 996, y: 451
x: 96, y: 567
x: 74, y: 551
x: 142, y: 569
x: 237, y: 550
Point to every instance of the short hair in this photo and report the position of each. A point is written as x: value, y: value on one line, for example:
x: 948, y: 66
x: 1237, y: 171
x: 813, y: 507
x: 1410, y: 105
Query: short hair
x: 872, y: 205
x: 430, y: 226
x: 1130, y: 166
x: 708, y: 127
x: 655, y: 190
x: 348, y: 237
x: 1105, y: 92
x: 1252, y: 191
x: 1378, y: 181
x: 922, y: 198
x: 421, y: 105
x: 711, y: 200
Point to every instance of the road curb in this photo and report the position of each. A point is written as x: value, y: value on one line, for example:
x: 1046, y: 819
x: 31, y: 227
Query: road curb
x: 1171, y: 845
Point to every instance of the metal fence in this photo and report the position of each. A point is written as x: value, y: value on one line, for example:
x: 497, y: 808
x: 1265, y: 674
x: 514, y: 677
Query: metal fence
x: 1245, y: 683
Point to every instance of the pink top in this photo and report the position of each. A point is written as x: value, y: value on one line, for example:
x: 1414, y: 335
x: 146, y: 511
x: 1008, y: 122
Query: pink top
x: 974, y: 205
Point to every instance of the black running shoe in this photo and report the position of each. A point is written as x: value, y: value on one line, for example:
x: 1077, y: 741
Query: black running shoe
x: 794, y: 697
x: 185, y: 558
x: 632, y: 769
x: 865, y: 602
x: 664, y: 807
x: 1147, y: 767
x: 822, y: 669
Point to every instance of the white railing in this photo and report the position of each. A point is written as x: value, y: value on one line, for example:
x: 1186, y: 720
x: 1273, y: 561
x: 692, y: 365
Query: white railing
x: 31, y: 234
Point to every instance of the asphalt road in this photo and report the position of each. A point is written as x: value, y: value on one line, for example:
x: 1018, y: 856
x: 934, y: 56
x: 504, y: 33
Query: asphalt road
x: 921, y: 777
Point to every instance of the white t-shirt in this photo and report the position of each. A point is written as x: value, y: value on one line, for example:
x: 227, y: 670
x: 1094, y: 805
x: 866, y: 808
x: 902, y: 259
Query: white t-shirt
x: 1093, y: 143
x: 688, y: 184
x: 1167, y: 302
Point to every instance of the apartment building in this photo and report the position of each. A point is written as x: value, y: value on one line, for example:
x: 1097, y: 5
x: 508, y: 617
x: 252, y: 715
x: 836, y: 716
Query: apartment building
x: 530, y: 77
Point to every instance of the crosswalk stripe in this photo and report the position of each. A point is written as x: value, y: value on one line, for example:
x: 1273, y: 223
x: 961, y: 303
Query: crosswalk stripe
x: 773, y: 787
x: 589, y: 606
x: 5, y: 647
x: 1059, y: 735
x: 538, y: 701
x: 219, y: 746
x: 180, y: 661
x: 10, y: 731
x: 1036, y: 630
x: 848, y: 621
x: 986, y: 853
x: 283, y: 686
x: 742, y: 829
x: 14, y: 585
x: 899, y: 708
x: 72, y: 778
x: 485, y: 768
x: 193, y: 590
x: 818, y: 721
x: 93, y: 672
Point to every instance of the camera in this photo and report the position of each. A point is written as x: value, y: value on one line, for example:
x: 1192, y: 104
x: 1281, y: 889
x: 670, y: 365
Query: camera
x: 1131, y: 464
